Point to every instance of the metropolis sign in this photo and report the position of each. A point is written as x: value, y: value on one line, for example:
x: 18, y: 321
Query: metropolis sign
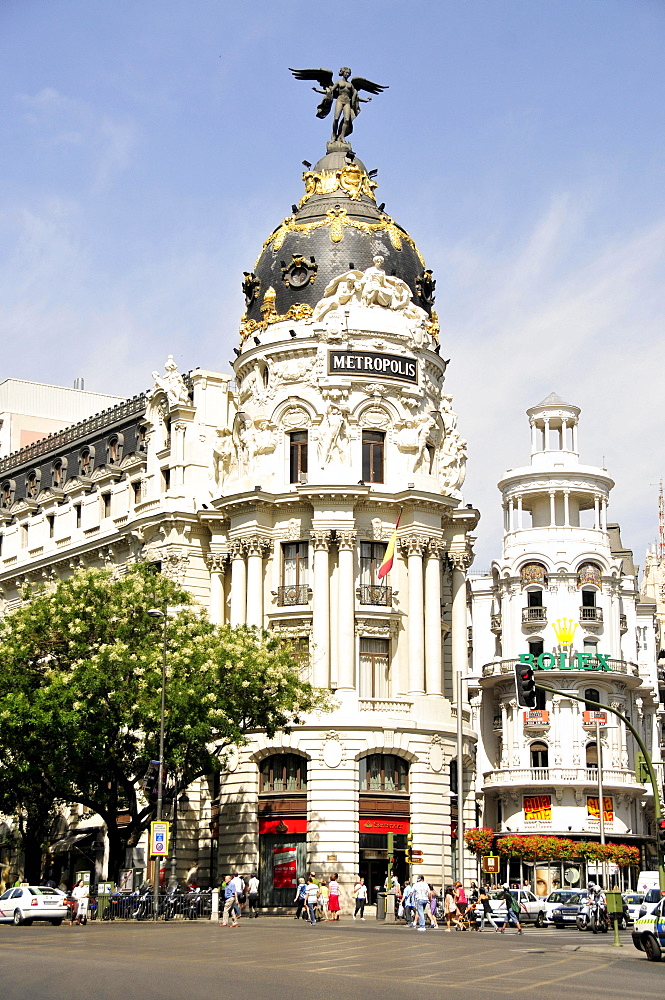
x: 371, y: 364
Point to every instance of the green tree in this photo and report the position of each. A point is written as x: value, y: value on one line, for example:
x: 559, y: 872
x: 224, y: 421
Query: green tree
x: 80, y: 676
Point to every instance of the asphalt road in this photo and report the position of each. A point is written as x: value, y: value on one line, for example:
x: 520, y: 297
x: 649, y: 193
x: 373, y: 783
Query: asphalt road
x: 273, y: 958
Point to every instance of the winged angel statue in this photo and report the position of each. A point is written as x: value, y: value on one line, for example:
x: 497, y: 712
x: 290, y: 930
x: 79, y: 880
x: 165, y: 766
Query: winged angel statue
x: 344, y: 93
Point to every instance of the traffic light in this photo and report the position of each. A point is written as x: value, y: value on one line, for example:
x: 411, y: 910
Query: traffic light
x: 525, y: 686
x: 409, y: 842
x: 661, y: 834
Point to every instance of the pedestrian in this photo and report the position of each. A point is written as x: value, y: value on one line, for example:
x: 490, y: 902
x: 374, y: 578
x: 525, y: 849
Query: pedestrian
x: 79, y: 910
x: 450, y: 908
x: 460, y: 898
x: 324, y: 896
x: 333, y: 897
x: 230, y: 903
x: 431, y: 911
x: 512, y: 909
x: 301, y: 892
x: 421, y: 891
x: 486, y: 912
x: 253, y: 896
x: 360, y: 892
x: 407, y: 904
x: 311, y: 896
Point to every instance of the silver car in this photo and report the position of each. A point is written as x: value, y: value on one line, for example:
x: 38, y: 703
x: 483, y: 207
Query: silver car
x: 27, y: 903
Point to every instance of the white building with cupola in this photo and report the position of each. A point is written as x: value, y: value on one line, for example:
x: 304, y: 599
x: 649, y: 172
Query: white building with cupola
x: 563, y: 595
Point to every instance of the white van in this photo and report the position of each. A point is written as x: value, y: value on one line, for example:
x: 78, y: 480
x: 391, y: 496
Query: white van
x: 647, y: 880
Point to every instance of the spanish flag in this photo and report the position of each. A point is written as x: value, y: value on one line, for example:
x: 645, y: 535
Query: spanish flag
x: 389, y: 557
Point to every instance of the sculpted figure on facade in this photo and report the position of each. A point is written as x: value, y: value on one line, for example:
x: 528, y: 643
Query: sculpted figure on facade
x: 333, y: 436
x: 223, y: 456
x: 369, y: 288
x: 171, y: 383
x: 425, y: 427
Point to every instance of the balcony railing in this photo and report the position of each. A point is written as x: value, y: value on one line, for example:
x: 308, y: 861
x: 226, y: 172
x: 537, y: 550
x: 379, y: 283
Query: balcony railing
x: 288, y: 597
x: 372, y: 594
x: 497, y: 724
x: 495, y: 624
x: 623, y: 623
x: 499, y: 667
x: 390, y: 706
x: 558, y: 775
x: 591, y: 614
x: 534, y: 616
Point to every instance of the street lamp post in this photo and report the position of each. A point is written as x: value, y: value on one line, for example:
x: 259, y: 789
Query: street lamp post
x: 157, y: 613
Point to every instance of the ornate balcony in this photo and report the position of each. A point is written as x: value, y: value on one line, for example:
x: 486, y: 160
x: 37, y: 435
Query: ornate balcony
x: 376, y: 595
x: 591, y: 615
x: 500, y: 667
x: 495, y: 624
x: 390, y: 706
x: 623, y: 623
x: 516, y: 776
x: 288, y: 597
x: 497, y: 723
x: 534, y: 616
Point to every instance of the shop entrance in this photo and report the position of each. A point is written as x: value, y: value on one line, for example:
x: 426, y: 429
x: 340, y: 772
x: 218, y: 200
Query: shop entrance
x: 376, y: 849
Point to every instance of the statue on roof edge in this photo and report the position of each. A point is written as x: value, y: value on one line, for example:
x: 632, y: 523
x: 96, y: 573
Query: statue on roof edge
x: 344, y: 93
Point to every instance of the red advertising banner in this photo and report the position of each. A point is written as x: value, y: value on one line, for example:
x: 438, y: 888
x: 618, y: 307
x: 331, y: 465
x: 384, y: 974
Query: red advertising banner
x: 374, y: 824
x: 282, y: 826
x: 537, y: 809
x: 284, y: 867
x: 593, y: 809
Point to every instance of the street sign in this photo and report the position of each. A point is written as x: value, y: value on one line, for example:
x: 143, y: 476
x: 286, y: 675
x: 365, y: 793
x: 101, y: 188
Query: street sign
x: 417, y: 861
x: 491, y: 864
x: 159, y: 839
x: 416, y: 854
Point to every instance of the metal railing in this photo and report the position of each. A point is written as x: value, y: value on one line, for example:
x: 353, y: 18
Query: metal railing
x: 288, y: 597
x: 139, y: 905
x: 534, y: 616
x: 558, y: 775
x: 377, y: 595
x: 591, y: 614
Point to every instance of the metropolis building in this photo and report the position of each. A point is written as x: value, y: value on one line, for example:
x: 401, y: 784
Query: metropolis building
x: 272, y: 495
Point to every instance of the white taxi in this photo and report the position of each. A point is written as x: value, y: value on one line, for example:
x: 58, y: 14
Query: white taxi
x: 649, y: 933
x: 24, y: 904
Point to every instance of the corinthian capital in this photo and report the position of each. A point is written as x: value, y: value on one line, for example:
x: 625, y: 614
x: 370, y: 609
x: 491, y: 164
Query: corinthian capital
x: 413, y: 545
x: 346, y: 540
x: 237, y: 548
x: 460, y: 559
x: 320, y: 540
x: 215, y: 562
x: 256, y: 545
x: 436, y: 548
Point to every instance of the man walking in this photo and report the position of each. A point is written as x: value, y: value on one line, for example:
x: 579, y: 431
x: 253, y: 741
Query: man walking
x: 421, y: 894
x: 230, y: 903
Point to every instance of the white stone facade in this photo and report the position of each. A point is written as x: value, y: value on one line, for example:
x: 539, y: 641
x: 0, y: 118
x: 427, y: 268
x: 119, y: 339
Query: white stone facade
x: 563, y: 587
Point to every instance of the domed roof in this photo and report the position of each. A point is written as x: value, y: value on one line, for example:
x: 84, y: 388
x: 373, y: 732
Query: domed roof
x: 336, y: 227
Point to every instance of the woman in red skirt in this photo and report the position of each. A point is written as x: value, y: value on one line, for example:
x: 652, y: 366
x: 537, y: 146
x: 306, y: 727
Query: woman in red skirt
x: 333, y: 898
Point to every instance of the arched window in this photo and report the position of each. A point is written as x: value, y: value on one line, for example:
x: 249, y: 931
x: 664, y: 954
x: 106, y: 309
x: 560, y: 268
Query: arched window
x: 383, y: 772
x: 591, y: 694
x: 7, y: 493
x: 539, y: 755
x: 86, y: 461
x: 591, y: 755
x: 58, y: 472
x: 283, y: 772
x: 32, y: 484
x: 114, y: 449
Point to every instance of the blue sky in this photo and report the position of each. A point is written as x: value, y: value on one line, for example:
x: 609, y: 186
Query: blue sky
x: 149, y: 148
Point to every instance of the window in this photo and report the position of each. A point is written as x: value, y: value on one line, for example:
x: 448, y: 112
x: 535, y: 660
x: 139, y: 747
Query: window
x: 591, y: 694
x: 24, y: 536
x: 166, y: 480
x: 77, y: 515
x: 592, y: 756
x: 539, y: 755
x: 297, y: 456
x: 373, y: 443
x: 106, y: 504
x: 383, y: 772
x: 371, y: 557
x: 32, y: 484
x: 58, y: 472
x: 283, y: 772
x: 114, y: 449
x: 7, y: 493
x: 137, y: 487
x: 541, y: 699
x: 534, y: 599
x: 588, y: 598
x: 536, y: 647
x: 295, y: 564
x: 374, y: 668
x: 86, y: 461
x: 50, y: 520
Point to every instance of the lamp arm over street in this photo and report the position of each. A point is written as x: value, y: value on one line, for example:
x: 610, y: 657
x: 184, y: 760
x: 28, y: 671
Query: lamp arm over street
x: 647, y: 760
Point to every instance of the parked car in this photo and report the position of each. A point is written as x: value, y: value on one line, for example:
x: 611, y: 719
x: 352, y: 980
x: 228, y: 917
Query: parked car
x: 633, y: 901
x: 532, y: 908
x: 568, y: 910
x: 27, y: 903
x: 556, y: 899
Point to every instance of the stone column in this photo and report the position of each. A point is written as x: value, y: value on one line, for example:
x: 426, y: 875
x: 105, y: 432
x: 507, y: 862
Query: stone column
x: 321, y: 608
x: 414, y: 546
x: 552, y: 508
x: 215, y: 563
x: 459, y: 561
x: 520, y: 523
x: 255, y: 547
x: 566, y: 508
x: 433, y: 678
x: 238, y: 583
x: 346, y: 644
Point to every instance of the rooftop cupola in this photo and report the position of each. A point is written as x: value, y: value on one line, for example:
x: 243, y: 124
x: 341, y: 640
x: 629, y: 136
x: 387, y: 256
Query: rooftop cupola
x: 554, y: 428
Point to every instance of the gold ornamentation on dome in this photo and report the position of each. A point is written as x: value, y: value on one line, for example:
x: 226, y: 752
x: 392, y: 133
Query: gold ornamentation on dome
x: 350, y: 179
x: 298, y: 311
x: 432, y: 325
x: 337, y: 220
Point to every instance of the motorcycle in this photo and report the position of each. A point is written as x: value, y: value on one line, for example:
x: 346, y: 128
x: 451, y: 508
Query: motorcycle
x: 593, y: 917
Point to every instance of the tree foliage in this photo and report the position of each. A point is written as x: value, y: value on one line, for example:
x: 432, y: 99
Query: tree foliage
x: 80, y: 695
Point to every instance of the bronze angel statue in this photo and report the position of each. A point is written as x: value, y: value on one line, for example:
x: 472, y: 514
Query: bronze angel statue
x: 345, y: 94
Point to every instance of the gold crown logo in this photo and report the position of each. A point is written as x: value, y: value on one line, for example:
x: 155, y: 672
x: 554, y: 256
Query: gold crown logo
x: 564, y: 630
